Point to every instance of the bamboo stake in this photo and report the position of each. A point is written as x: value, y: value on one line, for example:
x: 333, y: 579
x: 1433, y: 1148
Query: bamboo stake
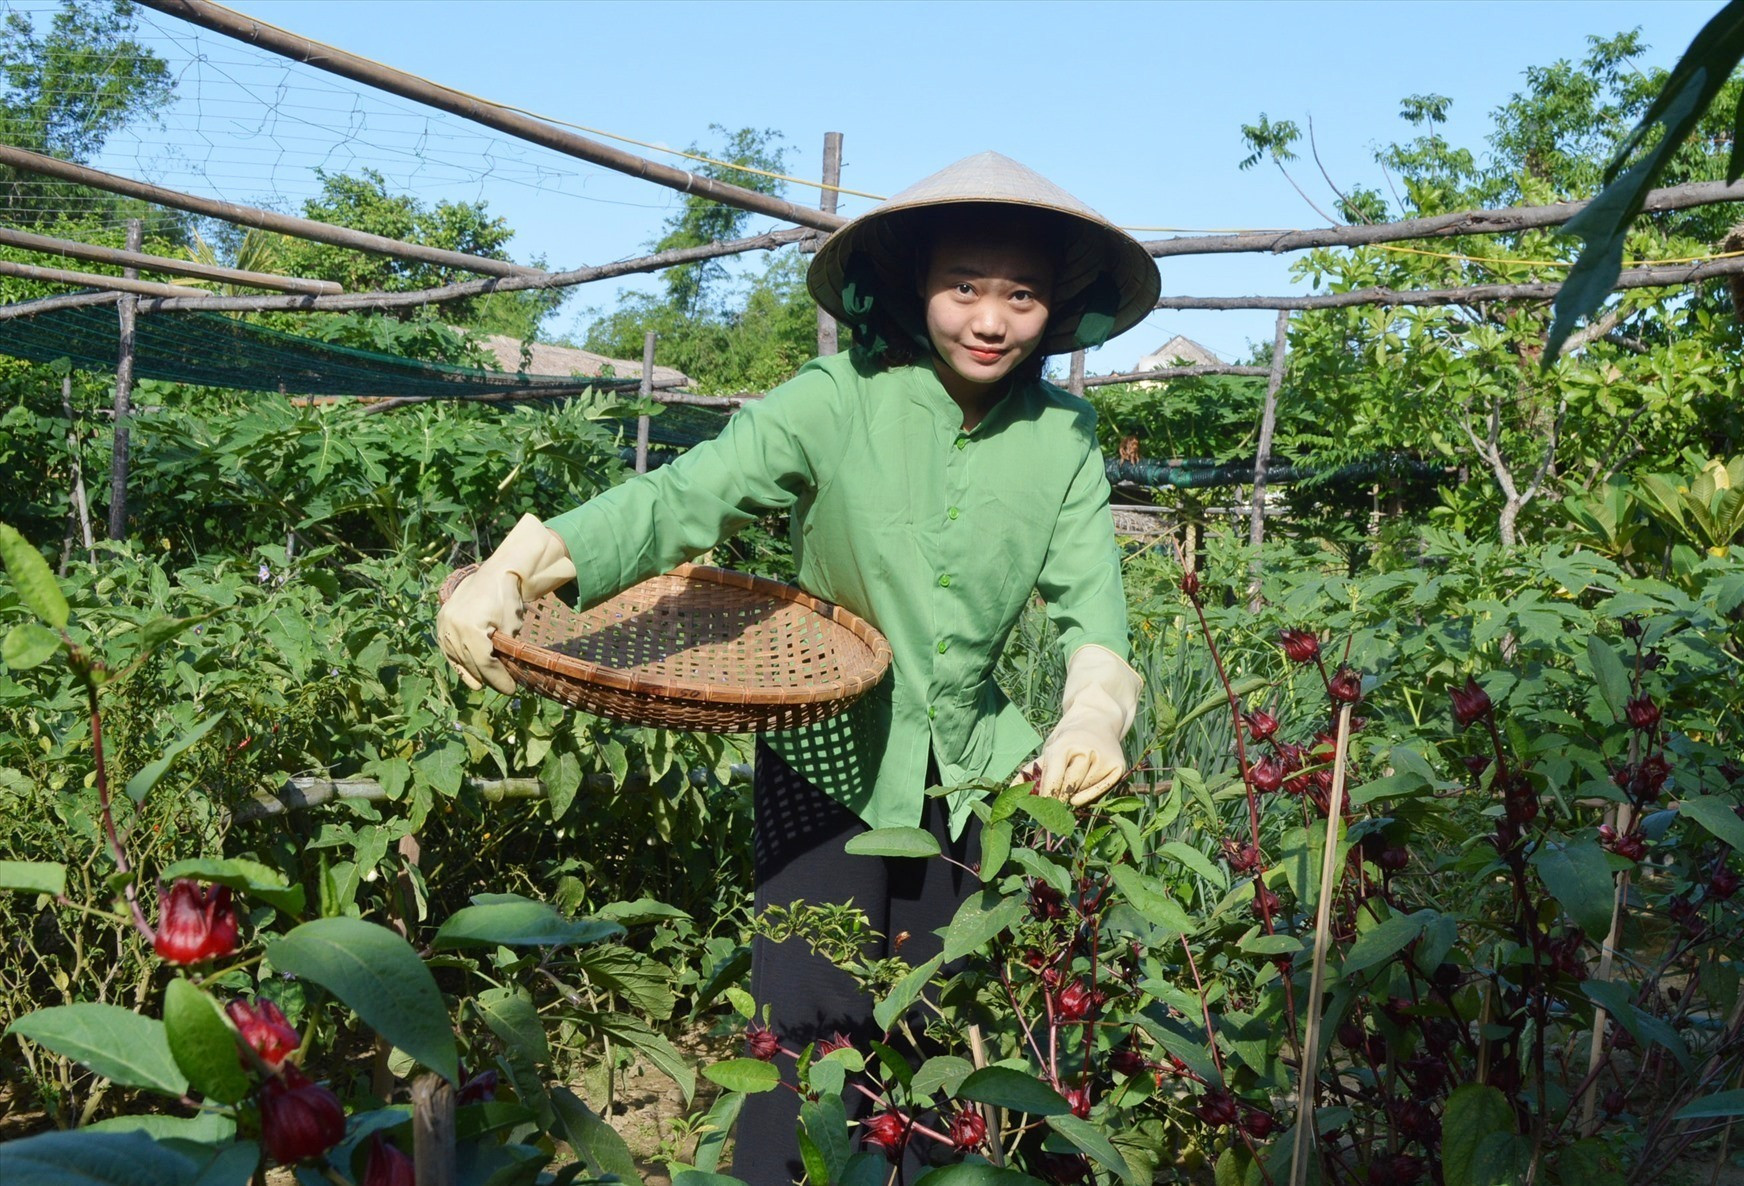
x: 266, y: 220
x: 80, y: 506
x: 1607, y: 956
x: 1075, y: 380
x: 483, y: 111
x: 647, y: 390
x: 49, y: 245
x: 127, y: 282
x: 49, y: 304
x: 1310, y: 1076
x: 433, y: 1151
x: 827, y: 337
x: 1256, y: 524
x: 128, y: 309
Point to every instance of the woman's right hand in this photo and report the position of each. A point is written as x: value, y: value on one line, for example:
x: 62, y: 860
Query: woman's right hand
x: 531, y: 562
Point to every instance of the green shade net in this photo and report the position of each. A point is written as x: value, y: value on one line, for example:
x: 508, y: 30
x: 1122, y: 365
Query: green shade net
x: 210, y: 350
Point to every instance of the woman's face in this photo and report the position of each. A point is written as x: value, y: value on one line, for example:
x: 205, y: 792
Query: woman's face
x: 987, y: 309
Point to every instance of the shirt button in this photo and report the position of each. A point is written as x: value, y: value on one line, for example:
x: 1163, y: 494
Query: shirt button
x: 943, y: 646
x: 931, y: 712
x: 962, y: 442
x: 952, y: 513
x: 945, y: 581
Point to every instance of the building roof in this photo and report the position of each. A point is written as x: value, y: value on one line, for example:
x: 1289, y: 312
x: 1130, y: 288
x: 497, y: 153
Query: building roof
x: 1174, y: 352
x: 547, y: 359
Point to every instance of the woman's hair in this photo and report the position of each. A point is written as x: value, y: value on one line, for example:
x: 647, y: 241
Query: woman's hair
x: 893, y: 333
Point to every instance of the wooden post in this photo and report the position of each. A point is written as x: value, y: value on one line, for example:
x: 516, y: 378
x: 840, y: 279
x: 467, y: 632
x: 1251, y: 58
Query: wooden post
x: 1075, y: 384
x: 81, y: 508
x: 1256, y: 524
x: 129, y: 308
x: 828, y: 342
x: 647, y: 393
x: 433, y: 1157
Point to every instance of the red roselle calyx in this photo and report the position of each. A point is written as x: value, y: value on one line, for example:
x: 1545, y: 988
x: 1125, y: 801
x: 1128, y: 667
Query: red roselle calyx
x: 1345, y: 686
x: 1470, y: 703
x: 263, y: 1026
x: 1642, y: 713
x: 1261, y: 725
x: 480, y: 1089
x: 299, y: 1118
x: 195, y: 922
x: 1723, y: 884
x: 1190, y: 584
x: 887, y: 1131
x: 836, y: 1041
x: 387, y: 1166
x: 1267, y: 774
x: 1300, y: 646
x: 761, y: 1042
x: 1243, y: 858
x: 968, y: 1129
x: 1076, y: 1000
x: 1218, y: 1109
x: 1078, y: 1099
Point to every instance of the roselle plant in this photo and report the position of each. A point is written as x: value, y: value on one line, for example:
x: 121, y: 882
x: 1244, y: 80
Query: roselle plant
x: 252, y: 996
x: 1482, y: 919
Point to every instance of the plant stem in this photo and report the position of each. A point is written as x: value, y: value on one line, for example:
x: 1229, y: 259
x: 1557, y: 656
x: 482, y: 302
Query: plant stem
x: 122, y: 865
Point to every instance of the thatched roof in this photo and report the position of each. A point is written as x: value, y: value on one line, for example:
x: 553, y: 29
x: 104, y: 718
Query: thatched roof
x: 567, y: 360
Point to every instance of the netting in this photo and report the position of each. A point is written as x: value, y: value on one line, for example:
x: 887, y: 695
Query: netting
x: 211, y: 350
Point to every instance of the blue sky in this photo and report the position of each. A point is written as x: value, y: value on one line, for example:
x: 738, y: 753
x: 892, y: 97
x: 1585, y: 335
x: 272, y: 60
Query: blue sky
x: 1135, y: 107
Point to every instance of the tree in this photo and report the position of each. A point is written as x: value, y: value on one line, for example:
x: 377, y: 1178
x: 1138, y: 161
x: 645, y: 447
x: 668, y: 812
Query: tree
x: 65, y: 92
x: 1463, y: 383
x: 725, y: 337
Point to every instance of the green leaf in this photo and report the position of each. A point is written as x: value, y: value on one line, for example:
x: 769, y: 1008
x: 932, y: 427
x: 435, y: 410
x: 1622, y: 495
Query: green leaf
x: 1385, y: 940
x: 594, y: 1141
x: 92, y: 1159
x: 1578, y: 876
x: 1197, y: 861
x: 704, y: 1178
x: 978, y: 920
x: 995, y: 849
x: 825, y: 1121
x: 202, y: 1043
x: 1721, y: 1103
x: 1474, y: 1113
x: 249, y: 878
x: 640, y: 912
x: 140, y: 784
x: 716, y: 1125
x: 28, y: 645
x: 1608, y: 670
x: 376, y: 973
x: 117, y: 1043
x: 662, y: 1054
x: 33, y: 579
x: 1716, y: 815
x: 973, y: 1173
x: 1152, y: 899
x: 511, y: 920
x: 752, y: 1076
x: 817, y: 1170
x: 897, y: 1002
x: 34, y: 877
x: 515, y: 1021
x: 1093, y: 1141
x: 942, y: 1072
x: 1053, y: 815
x: 893, y: 842
x: 1004, y: 1087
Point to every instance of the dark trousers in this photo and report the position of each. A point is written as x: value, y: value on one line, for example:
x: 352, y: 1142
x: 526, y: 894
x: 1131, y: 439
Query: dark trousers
x: 799, y: 836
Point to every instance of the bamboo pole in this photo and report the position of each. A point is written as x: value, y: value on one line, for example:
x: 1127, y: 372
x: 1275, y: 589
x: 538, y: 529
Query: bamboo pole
x: 647, y: 391
x: 433, y: 1137
x: 127, y: 312
x: 127, y: 282
x: 266, y: 220
x: 1075, y: 378
x: 482, y: 111
x: 1507, y: 220
x: 1173, y: 373
x: 49, y: 245
x: 828, y: 339
x: 73, y: 300
x: 81, y: 506
x: 1663, y: 276
x: 361, y: 301
x: 1256, y: 523
x: 1310, y: 1073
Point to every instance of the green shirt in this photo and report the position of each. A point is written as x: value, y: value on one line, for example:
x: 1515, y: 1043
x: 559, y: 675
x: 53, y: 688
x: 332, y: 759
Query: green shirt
x: 935, y: 535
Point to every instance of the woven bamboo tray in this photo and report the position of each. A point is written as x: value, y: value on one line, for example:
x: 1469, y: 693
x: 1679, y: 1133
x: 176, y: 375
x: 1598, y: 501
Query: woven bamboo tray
x: 703, y: 649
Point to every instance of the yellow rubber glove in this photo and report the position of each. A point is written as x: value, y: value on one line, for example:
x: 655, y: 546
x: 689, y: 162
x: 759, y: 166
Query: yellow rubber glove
x: 1081, y: 758
x: 530, y: 563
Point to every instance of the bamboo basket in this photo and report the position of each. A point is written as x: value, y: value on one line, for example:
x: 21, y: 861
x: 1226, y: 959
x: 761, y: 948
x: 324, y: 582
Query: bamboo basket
x: 703, y: 649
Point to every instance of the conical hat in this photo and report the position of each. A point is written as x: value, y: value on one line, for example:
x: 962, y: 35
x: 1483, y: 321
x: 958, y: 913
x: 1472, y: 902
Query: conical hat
x: 1107, y: 281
